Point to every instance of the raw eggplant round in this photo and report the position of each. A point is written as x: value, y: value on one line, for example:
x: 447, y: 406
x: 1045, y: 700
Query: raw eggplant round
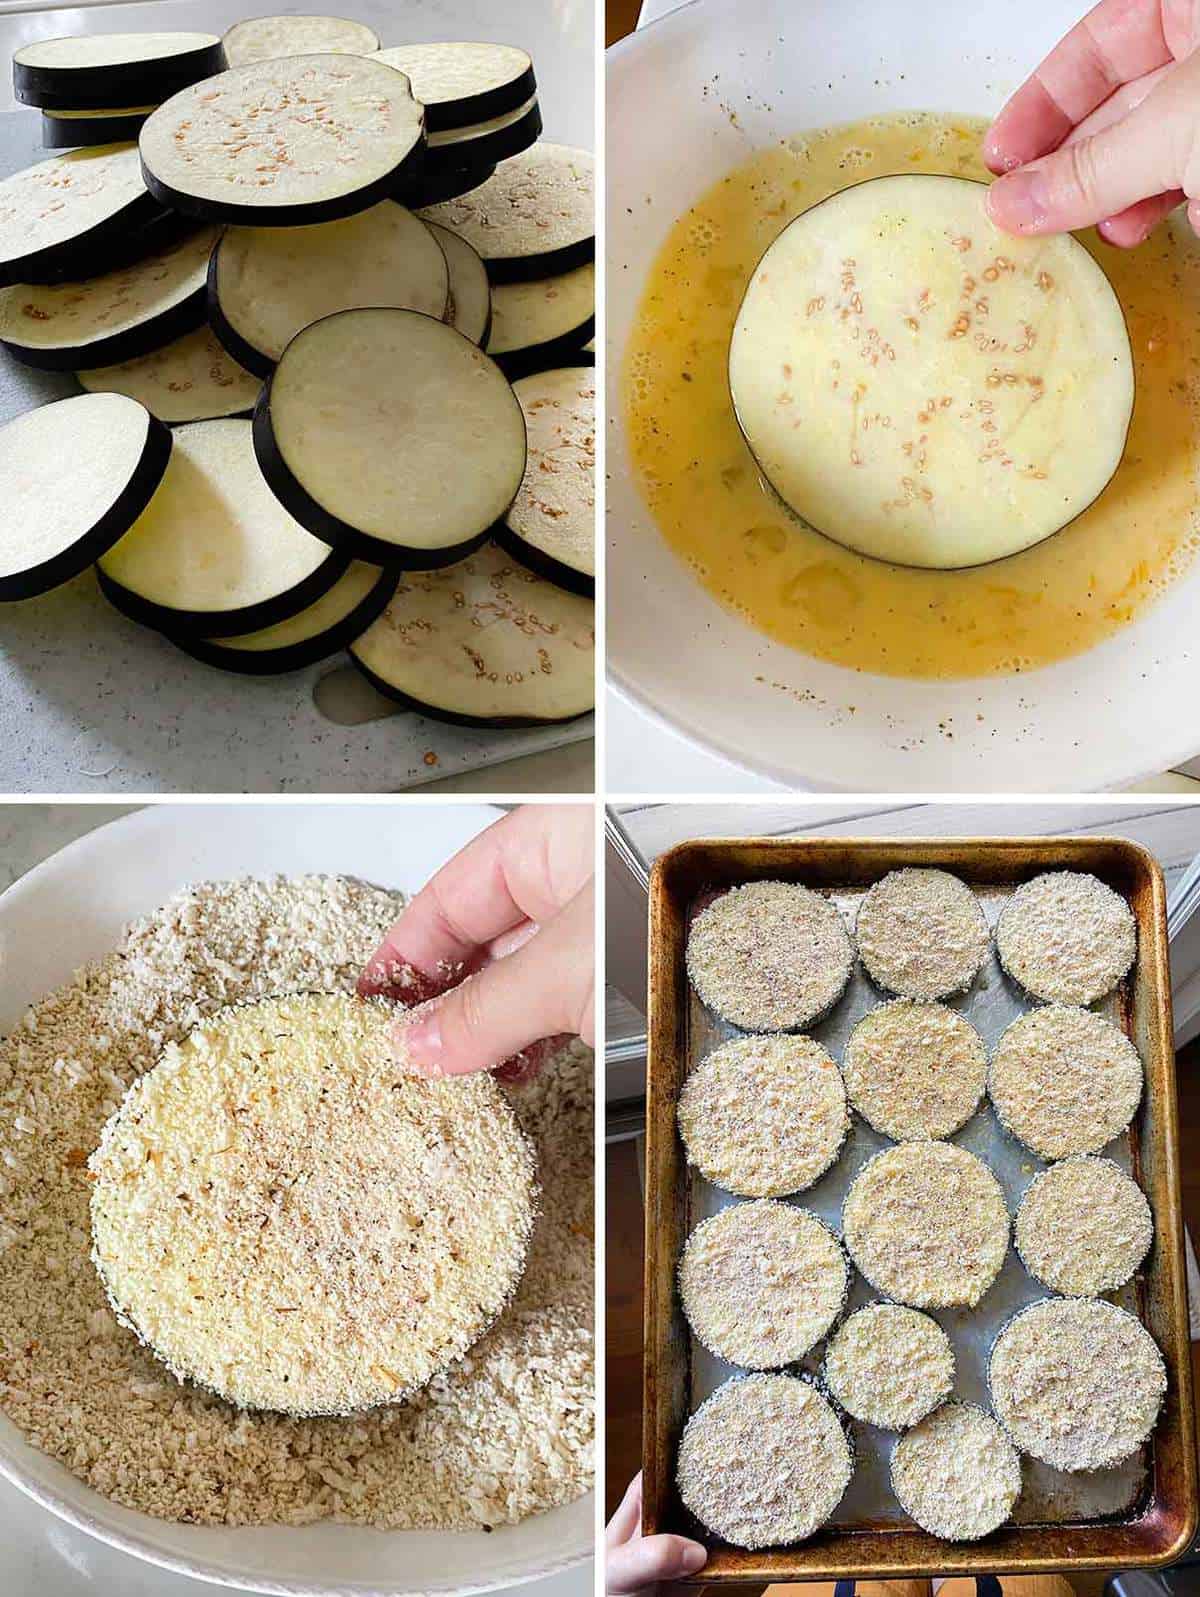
x: 535, y: 217
x: 464, y: 82
x: 266, y: 283
x: 111, y: 318
x: 390, y: 435
x: 483, y: 643
x: 333, y: 622
x: 214, y: 552
x: 244, y: 147
x: 56, y: 524
x: 112, y: 69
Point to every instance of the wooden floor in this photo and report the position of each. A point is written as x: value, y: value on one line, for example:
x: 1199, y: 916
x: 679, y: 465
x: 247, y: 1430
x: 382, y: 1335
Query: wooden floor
x: 620, y: 18
x: 624, y: 1286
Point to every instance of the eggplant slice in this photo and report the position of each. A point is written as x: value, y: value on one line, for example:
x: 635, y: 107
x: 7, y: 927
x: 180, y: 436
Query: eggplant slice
x: 115, y: 317
x: 69, y: 209
x: 112, y: 69
x: 483, y: 643
x: 333, y: 622
x: 193, y: 379
x: 246, y: 147
x: 485, y: 142
x: 73, y: 130
x: 57, y: 522
x: 464, y: 82
x: 268, y: 38
x: 534, y: 217
x: 469, y: 307
x: 423, y: 187
x: 266, y: 283
x: 542, y: 324
x: 391, y: 436
x: 551, y: 524
x: 923, y: 388
x: 215, y: 553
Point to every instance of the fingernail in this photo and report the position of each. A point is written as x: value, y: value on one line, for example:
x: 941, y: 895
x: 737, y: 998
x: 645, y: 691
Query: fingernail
x: 1019, y: 201
x: 419, y: 1042
x: 694, y: 1557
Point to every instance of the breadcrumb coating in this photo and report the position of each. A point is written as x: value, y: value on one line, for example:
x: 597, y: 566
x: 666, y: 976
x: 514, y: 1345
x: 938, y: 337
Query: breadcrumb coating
x: 1064, y: 1080
x: 1066, y: 937
x: 915, y: 1070
x: 761, y: 1283
x: 764, y: 1461
x: 921, y: 933
x: 769, y: 956
x: 1077, y: 1382
x: 926, y: 1224
x: 764, y: 1116
x: 889, y: 1366
x: 956, y: 1473
x: 1083, y: 1227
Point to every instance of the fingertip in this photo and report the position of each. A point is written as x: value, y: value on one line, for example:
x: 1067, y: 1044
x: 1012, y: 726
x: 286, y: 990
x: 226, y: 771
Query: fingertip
x: 1018, y: 202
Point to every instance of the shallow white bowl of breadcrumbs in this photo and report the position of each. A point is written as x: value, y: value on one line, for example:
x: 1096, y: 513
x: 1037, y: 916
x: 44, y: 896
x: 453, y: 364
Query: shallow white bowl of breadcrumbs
x: 72, y: 910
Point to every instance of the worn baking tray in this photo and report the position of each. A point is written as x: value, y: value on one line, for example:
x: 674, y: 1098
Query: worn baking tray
x: 1140, y: 1515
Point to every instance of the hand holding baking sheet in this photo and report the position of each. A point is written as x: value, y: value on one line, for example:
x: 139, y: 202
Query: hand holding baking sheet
x: 1107, y: 130
x: 637, y: 1565
x: 497, y: 948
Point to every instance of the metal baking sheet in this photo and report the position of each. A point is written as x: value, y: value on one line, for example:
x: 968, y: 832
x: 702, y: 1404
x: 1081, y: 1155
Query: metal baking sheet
x: 1049, y: 1496
x: 91, y: 703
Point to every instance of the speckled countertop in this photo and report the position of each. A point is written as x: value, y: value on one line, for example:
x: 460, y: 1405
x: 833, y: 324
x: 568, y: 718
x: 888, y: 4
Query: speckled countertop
x: 90, y: 703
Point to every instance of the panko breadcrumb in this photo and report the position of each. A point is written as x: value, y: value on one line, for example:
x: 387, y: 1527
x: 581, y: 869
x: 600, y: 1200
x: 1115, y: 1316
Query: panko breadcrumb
x: 769, y: 956
x: 764, y: 1461
x: 1083, y: 1227
x: 762, y: 1282
x: 915, y: 1070
x: 764, y: 1116
x: 889, y: 1366
x: 1077, y: 1382
x: 506, y: 1433
x: 956, y: 1473
x: 926, y: 1224
x: 1064, y: 1080
x: 921, y: 933
x: 1066, y: 937
x: 228, y: 1183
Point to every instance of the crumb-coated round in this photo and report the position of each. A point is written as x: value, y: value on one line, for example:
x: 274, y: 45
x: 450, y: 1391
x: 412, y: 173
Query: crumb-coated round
x: 1064, y: 1080
x: 956, y: 1473
x: 915, y: 1070
x: 769, y: 956
x: 889, y: 1366
x: 764, y: 1116
x: 764, y: 1461
x: 284, y: 1213
x: 1076, y: 1382
x: 1066, y: 937
x: 926, y: 1224
x: 762, y: 1282
x: 921, y: 933
x: 1083, y: 1227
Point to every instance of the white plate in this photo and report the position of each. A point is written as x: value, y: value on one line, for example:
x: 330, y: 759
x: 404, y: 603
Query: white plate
x: 1121, y: 712
x: 72, y: 909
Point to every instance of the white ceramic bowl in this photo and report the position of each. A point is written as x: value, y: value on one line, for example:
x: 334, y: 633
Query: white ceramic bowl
x: 1121, y: 712
x: 71, y: 909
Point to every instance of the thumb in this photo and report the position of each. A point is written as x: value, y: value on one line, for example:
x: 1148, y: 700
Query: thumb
x: 546, y: 986
x: 648, y: 1559
x: 1144, y: 154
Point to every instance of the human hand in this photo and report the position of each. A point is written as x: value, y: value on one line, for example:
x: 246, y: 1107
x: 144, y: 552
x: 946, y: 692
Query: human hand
x: 1107, y: 130
x: 634, y: 1565
x: 497, y: 947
